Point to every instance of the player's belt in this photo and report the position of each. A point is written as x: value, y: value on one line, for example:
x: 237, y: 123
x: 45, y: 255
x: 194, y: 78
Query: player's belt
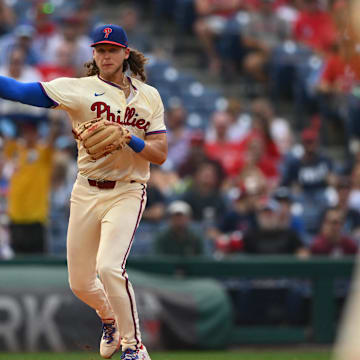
x: 104, y: 184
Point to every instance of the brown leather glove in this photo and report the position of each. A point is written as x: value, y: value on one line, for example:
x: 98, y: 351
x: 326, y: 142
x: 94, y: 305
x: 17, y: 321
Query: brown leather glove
x: 101, y: 137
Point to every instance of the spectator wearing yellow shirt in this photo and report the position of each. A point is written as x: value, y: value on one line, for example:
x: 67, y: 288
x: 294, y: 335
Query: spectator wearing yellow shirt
x: 28, y: 199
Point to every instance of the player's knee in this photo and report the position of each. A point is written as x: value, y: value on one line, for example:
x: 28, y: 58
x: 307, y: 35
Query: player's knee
x: 79, y: 286
x: 77, y: 292
x: 105, y: 271
x: 83, y: 291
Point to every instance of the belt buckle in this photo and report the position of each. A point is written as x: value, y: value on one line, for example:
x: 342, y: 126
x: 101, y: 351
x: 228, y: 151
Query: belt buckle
x: 100, y: 183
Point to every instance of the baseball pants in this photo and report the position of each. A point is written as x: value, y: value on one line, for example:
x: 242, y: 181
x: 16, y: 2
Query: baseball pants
x: 101, y: 229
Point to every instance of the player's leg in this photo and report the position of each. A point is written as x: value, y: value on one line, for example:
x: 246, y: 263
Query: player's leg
x: 82, y: 246
x: 117, y: 233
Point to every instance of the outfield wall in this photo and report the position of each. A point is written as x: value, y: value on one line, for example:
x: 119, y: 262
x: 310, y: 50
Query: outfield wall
x: 182, y: 303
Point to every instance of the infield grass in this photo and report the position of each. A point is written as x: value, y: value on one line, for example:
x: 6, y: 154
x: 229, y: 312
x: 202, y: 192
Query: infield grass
x: 181, y: 355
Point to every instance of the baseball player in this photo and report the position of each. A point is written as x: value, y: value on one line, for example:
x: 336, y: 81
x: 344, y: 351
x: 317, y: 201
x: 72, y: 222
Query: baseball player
x: 118, y: 123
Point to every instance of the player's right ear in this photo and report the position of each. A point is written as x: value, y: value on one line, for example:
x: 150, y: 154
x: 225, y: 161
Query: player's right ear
x: 127, y: 52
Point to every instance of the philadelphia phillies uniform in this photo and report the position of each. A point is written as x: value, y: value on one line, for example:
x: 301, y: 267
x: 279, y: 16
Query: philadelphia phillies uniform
x: 109, y: 195
x: 103, y: 221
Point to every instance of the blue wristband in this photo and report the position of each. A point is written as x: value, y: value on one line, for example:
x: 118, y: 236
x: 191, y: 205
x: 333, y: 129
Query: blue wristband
x: 136, y: 143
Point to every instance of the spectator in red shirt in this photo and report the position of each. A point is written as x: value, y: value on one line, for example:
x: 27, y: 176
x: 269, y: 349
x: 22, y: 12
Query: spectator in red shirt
x: 262, y: 125
x: 331, y: 240
x: 342, y: 69
x: 340, y: 73
x: 219, y: 147
x: 315, y: 27
x: 256, y: 162
x: 340, y: 78
x: 260, y: 150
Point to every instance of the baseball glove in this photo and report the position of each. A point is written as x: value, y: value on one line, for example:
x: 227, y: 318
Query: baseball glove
x: 101, y: 137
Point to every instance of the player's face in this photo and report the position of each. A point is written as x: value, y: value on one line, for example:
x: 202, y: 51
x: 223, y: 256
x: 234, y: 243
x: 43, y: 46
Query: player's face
x: 109, y: 59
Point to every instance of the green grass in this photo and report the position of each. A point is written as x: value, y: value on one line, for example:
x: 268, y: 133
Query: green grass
x: 181, y: 355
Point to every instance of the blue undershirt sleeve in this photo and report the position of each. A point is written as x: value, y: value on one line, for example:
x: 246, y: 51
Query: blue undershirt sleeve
x: 26, y: 93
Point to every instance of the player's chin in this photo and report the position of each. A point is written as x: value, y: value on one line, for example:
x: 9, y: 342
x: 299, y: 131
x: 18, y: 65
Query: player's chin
x: 107, y: 69
x: 110, y: 71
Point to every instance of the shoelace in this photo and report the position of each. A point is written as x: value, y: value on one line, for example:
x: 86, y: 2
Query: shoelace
x: 129, y: 354
x: 108, y: 331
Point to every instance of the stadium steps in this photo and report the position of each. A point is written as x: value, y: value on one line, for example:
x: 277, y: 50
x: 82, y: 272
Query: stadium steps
x: 186, y: 54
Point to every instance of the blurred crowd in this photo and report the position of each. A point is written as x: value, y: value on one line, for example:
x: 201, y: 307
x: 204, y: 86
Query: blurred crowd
x: 242, y: 175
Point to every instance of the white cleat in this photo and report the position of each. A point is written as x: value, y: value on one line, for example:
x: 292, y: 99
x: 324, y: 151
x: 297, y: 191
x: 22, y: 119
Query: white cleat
x: 110, y: 340
x: 138, y: 354
x: 143, y: 354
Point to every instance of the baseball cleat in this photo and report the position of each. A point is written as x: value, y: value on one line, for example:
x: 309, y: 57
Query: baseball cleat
x: 138, y: 354
x: 143, y: 354
x: 110, y: 340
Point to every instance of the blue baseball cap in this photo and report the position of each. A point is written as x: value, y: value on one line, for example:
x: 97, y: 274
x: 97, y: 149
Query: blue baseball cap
x: 110, y: 34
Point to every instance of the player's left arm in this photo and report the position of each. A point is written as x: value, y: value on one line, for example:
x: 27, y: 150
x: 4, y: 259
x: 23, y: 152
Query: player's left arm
x: 154, y: 148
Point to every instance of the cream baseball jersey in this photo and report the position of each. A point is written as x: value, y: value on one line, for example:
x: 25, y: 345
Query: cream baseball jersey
x: 92, y: 97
